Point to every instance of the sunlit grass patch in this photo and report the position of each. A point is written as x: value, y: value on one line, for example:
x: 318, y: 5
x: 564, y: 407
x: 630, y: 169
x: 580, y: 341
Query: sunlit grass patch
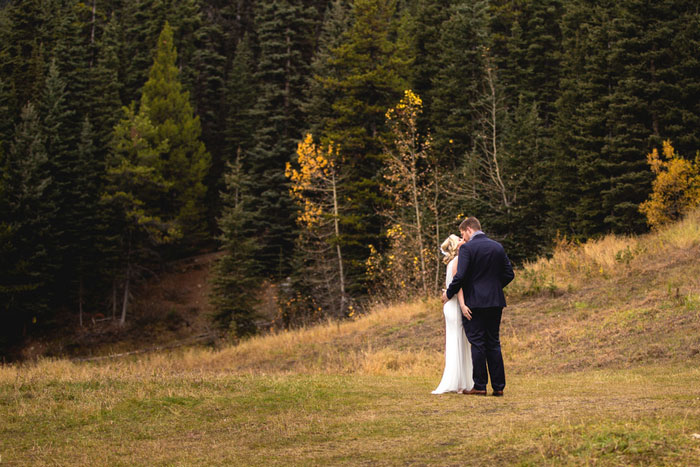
x: 572, y: 265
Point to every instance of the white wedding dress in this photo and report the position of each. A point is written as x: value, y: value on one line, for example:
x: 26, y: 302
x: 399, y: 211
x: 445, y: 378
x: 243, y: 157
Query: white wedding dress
x: 458, y: 353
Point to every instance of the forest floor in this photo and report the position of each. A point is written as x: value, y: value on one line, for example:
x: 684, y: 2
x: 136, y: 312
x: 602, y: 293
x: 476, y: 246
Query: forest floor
x: 602, y: 352
x: 170, y: 308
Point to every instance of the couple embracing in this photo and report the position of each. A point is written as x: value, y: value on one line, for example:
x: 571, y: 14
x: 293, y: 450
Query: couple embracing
x: 477, y: 270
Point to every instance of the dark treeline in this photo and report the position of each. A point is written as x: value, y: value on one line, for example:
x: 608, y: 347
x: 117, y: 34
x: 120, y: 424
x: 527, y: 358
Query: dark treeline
x: 137, y: 132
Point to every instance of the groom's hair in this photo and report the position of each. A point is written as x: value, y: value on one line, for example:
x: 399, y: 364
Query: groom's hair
x: 470, y: 222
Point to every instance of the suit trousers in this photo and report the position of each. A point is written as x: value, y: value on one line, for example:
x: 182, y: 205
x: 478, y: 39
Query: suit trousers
x: 483, y: 334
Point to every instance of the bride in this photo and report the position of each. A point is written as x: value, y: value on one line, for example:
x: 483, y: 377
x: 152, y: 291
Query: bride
x: 458, y: 359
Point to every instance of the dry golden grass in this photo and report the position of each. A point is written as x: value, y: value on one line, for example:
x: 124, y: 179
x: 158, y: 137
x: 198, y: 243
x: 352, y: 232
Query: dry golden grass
x: 573, y: 266
x: 352, y: 347
x: 602, y: 350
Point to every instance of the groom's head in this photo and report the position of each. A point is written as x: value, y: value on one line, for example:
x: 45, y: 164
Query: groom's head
x: 469, y: 226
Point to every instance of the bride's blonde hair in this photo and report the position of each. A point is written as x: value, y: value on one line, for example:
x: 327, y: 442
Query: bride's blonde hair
x: 449, y: 248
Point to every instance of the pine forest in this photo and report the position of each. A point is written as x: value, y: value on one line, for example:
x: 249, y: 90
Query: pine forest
x: 325, y: 148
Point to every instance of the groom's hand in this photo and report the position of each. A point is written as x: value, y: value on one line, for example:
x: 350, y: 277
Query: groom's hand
x: 444, y: 297
x: 466, y: 311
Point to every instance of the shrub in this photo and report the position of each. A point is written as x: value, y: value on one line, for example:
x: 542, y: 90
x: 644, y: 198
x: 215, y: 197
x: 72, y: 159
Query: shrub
x: 676, y: 189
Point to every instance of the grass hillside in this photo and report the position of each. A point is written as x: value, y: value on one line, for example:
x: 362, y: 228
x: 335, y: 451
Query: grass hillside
x: 602, y: 351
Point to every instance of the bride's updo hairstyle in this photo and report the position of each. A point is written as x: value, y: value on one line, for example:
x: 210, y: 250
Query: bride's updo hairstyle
x: 449, y: 248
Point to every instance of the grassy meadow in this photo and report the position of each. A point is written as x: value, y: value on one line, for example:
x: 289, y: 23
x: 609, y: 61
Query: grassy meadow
x: 602, y: 351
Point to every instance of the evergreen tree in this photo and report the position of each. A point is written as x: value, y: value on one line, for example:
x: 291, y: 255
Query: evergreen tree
x: 525, y: 231
x: 29, y: 42
x: 368, y: 78
x: 7, y: 113
x: 646, y: 104
x: 238, y: 125
x: 85, y: 222
x: 7, y: 99
x: 60, y: 142
x: 186, y: 163
x: 106, y: 86
x: 319, y: 96
x: 57, y: 117
x: 457, y: 84
x: 684, y: 44
x: 528, y: 53
x: 73, y: 57
x: 616, y: 102
x: 427, y: 25
x: 26, y: 219
x: 142, y: 21
x: 76, y: 173
x: 237, y: 21
x: 240, y: 102
x: 193, y: 37
x: 135, y: 191
x: 626, y: 180
x: 285, y: 38
x: 208, y: 65
x: 580, y: 129
x: 237, y: 274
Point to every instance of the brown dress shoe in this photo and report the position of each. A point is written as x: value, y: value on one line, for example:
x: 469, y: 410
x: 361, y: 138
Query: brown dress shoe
x: 474, y: 392
x: 498, y: 393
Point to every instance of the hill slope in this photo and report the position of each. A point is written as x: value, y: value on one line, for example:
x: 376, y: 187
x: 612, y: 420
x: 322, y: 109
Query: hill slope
x: 602, y: 348
x: 612, y: 303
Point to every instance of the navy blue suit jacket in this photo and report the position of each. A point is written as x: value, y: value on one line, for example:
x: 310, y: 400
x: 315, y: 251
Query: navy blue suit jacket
x: 483, y: 269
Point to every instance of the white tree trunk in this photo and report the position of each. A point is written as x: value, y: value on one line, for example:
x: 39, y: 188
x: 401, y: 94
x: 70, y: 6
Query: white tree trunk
x: 125, y: 303
x: 80, y: 302
x: 437, y: 229
x: 114, y: 300
x: 419, y: 227
x: 495, y: 168
x: 343, y: 298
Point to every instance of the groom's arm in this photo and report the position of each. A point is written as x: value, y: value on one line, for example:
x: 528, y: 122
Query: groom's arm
x: 462, y: 265
x: 508, y: 274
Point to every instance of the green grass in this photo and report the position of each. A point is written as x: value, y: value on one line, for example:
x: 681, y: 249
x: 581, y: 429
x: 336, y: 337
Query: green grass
x: 645, y: 415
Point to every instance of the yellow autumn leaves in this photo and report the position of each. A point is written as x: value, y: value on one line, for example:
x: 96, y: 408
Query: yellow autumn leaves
x: 315, y: 166
x: 676, y: 189
x: 411, y: 102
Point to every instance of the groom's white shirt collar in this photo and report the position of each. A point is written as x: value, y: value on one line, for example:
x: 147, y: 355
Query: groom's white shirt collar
x: 478, y: 232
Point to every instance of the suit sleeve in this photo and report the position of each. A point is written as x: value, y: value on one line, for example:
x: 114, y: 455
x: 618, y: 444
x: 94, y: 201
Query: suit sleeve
x: 462, y: 265
x: 508, y: 275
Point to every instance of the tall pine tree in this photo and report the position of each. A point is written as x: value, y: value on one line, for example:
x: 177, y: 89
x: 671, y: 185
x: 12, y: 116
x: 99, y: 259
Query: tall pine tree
x: 237, y: 274
x: 240, y: 99
x: 167, y: 106
x: 7, y: 112
x: 107, y: 86
x: 369, y: 76
x: 26, y: 233
x: 589, y: 78
x: 458, y: 82
x: 137, y: 192
x: 285, y: 34
x: 319, y: 96
x: 29, y: 43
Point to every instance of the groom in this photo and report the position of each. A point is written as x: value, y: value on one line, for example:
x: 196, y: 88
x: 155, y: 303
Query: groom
x: 483, y: 269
